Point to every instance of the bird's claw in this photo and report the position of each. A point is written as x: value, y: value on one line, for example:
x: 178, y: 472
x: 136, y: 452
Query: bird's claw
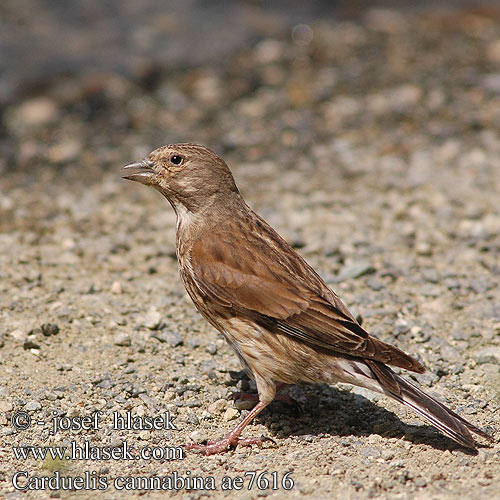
x: 284, y: 398
x: 226, y: 444
x: 245, y: 396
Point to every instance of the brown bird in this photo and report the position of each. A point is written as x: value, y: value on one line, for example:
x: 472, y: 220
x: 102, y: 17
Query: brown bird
x: 280, y: 317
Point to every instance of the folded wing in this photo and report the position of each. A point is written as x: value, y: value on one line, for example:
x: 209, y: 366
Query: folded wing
x: 277, y: 288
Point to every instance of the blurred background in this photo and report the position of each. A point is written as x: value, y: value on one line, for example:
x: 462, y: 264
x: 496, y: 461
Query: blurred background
x: 91, y: 76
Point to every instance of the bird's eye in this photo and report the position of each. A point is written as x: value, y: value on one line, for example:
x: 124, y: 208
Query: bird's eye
x: 176, y: 159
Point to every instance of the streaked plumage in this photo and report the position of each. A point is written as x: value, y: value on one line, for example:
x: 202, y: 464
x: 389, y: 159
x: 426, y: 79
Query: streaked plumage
x: 281, y: 318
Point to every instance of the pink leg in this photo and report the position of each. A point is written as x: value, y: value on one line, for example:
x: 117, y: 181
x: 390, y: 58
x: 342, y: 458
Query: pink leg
x: 285, y: 398
x: 233, y: 438
x: 250, y: 396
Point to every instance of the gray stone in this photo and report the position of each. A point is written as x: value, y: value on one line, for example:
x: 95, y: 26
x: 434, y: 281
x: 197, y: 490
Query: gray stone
x: 152, y: 320
x: 370, y: 451
x: 401, y: 326
x: 18, y: 335
x: 355, y: 270
x: 173, y: 339
x: 191, y: 418
x: 49, y: 329
x: 211, y: 348
x: 33, y: 405
x: 488, y: 355
x: 193, y: 342
x: 122, y: 339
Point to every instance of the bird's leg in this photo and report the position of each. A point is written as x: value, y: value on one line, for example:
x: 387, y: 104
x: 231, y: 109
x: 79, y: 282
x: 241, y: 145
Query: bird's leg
x: 253, y: 396
x: 233, y: 438
x: 285, y: 398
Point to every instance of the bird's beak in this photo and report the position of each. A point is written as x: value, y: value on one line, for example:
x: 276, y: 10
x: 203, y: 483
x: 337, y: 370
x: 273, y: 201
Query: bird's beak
x: 140, y: 171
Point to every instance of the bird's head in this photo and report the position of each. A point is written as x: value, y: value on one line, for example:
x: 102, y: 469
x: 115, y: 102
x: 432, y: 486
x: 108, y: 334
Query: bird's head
x: 190, y: 176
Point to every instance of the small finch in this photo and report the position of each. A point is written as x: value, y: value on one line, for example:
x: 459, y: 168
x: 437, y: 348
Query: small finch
x: 280, y: 317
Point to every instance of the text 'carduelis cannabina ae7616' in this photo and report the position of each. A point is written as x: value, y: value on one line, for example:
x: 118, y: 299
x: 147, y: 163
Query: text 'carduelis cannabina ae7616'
x: 280, y: 317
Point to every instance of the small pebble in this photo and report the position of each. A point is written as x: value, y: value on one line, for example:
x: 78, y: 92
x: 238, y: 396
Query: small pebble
x: 488, y: 355
x: 244, y: 404
x: 230, y: 414
x: 197, y: 437
x: 191, y: 418
x: 173, y: 339
x: 370, y: 451
x: 355, y: 270
x: 31, y: 343
x: 122, y: 339
x: 49, y: 329
x: 33, y: 405
x: 217, y: 406
x: 5, y: 406
x: 193, y: 342
x: 211, y: 348
x: 152, y: 320
x: 36, y: 112
x: 18, y: 335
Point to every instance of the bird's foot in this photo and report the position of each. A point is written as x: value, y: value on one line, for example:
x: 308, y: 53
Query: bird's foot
x: 226, y: 444
x: 245, y: 396
x: 285, y: 398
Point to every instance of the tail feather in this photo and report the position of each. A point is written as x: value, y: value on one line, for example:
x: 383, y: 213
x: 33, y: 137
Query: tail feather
x: 444, y: 419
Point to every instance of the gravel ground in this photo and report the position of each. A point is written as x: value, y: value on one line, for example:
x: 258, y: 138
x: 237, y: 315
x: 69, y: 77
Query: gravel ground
x: 371, y: 144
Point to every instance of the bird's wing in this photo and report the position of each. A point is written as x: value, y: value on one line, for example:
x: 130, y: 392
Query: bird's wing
x: 285, y: 295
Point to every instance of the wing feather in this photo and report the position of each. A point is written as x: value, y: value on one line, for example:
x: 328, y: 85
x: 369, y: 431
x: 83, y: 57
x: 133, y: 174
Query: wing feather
x: 257, y: 282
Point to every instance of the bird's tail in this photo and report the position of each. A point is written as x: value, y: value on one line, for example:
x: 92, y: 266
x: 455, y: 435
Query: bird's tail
x: 444, y: 419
